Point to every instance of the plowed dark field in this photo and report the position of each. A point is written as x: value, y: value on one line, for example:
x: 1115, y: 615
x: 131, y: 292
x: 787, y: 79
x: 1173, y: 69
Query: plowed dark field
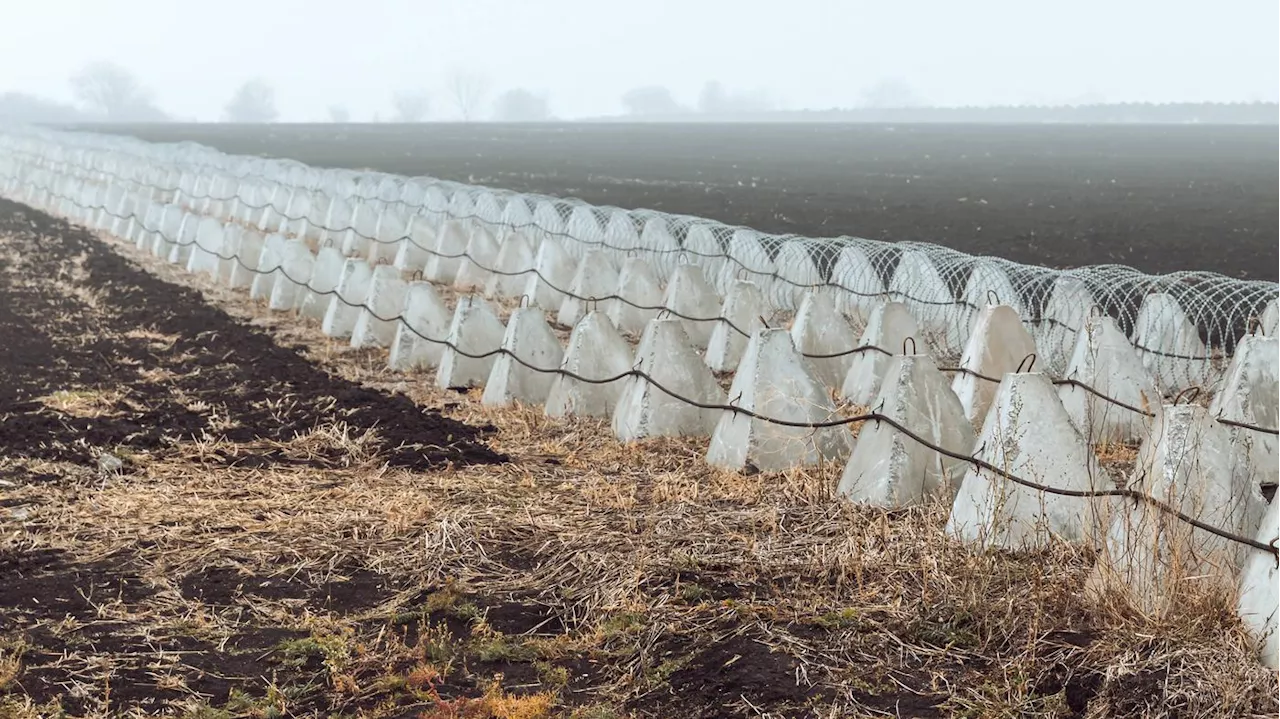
x: 1158, y: 198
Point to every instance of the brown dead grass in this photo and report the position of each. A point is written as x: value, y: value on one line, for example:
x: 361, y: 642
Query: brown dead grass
x: 647, y: 556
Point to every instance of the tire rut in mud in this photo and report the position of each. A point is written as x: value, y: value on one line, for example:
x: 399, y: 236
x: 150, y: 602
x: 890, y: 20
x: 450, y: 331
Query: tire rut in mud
x: 97, y: 355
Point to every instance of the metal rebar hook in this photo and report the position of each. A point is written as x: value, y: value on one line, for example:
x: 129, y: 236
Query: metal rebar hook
x: 976, y: 452
x: 1095, y: 311
x: 1030, y: 366
x: 328, y: 242
x: 1193, y: 391
x: 912, y: 340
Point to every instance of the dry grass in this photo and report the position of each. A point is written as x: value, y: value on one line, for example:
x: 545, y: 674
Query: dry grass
x: 647, y: 562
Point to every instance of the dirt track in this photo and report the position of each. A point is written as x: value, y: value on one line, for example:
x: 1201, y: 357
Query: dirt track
x: 1158, y: 198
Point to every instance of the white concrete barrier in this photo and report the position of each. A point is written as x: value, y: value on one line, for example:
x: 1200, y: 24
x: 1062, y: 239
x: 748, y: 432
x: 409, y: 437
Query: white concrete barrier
x: 775, y: 381
x: 296, y: 266
x: 475, y: 330
x: 889, y: 327
x: 326, y: 272
x: 744, y: 307
x: 889, y: 469
x: 666, y: 355
x: 820, y: 329
x: 553, y: 273
x: 386, y: 300
x: 1188, y: 463
x: 998, y: 345
x: 1027, y: 433
x: 596, y: 352
x: 595, y: 277
x: 1259, y: 602
x: 637, y: 285
x: 425, y: 316
x: 1170, y: 344
x: 529, y: 338
x: 482, y: 255
x: 1250, y: 395
x: 689, y: 294
x: 344, y: 306
x: 512, y: 265
x: 268, y: 270
x: 1104, y: 360
x: 446, y: 258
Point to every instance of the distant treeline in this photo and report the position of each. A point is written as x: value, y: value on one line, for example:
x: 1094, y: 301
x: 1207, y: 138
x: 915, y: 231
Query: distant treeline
x: 1244, y: 113
x: 21, y: 108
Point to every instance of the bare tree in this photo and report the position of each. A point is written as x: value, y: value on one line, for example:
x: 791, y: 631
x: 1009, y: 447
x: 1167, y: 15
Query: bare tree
x: 652, y: 100
x: 716, y: 99
x: 339, y: 114
x: 890, y: 93
x: 520, y: 105
x: 113, y: 92
x: 468, y: 90
x: 411, y: 106
x: 254, y: 102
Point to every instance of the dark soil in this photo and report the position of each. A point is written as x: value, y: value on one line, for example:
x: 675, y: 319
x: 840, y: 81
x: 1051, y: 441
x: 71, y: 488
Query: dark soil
x: 54, y: 612
x: 1158, y: 198
x: 72, y: 315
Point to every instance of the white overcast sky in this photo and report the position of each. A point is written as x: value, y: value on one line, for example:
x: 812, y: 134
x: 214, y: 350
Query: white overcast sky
x: 586, y: 53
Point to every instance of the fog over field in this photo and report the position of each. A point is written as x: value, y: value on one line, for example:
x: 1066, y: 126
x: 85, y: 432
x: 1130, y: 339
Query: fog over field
x: 320, y: 60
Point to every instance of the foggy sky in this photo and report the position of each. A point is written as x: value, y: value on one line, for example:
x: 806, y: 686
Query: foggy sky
x: 586, y: 53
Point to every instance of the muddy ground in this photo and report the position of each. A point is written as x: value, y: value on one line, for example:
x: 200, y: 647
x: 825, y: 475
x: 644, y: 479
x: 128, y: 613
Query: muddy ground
x: 1158, y: 198
x: 292, y: 530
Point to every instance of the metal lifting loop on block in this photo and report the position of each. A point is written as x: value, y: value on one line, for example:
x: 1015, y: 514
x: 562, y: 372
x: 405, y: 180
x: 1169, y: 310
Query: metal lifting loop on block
x: 664, y: 314
x: 977, y: 452
x: 992, y: 294
x: 1255, y: 324
x: 592, y: 304
x: 1030, y: 366
x: 382, y: 261
x: 764, y: 322
x: 682, y: 258
x: 1193, y: 391
x: 524, y: 301
x: 912, y: 340
x: 416, y: 276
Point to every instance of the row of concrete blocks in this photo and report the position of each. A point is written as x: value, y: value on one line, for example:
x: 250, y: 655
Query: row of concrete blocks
x: 1162, y: 325
x: 1028, y: 428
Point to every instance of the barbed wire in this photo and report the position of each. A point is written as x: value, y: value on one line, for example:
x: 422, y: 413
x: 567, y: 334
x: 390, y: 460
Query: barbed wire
x: 132, y: 215
x: 1069, y: 381
x: 1035, y: 322
x: 1220, y: 309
